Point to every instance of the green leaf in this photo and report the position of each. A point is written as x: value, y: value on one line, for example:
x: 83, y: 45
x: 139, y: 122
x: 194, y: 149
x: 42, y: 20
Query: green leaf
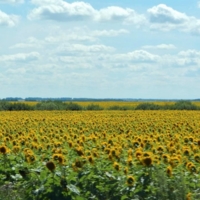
x: 58, y: 173
x: 16, y: 177
x: 109, y: 175
x: 73, y: 189
x: 124, y: 197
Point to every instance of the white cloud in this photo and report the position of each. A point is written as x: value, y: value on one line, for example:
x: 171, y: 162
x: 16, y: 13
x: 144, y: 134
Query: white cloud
x: 190, y: 53
x: 138, y: 56
x: 109, y: 33
x: 68, y: 37
x: 11, y: 1
x: 189, y: 57
x: 87, y: 35
x: 20, y: 57
x: 198, y: 4
x: 160, y: 46
x: 114, y: 13
x: 194, y: 27
x: 8, y: 20
x: 46, y: 2
x: 164, y: 14
x: 162, y: 17
x: 16, y: 71
x: 183, y: 59
x: 86, y: 49
x: 31, y: 42
x: 63, y: 11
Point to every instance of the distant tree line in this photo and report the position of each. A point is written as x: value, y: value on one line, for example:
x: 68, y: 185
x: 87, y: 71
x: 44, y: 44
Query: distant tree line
x: 179, y: 105
x: 59, y: 105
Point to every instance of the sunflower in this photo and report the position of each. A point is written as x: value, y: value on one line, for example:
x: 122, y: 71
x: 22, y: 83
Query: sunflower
x: 4, y: 150
x: 130, y: 161
x: 130, y: 181
x: 113, y: 152
x: 147, y: 154
x: 197, y: 158
x: 195, y: 149
x: 136, y: 144
x: 78, y: 164
x: 188, y: 196
x: 160, y: 149
x: 79, y: 151
x: 126, y: 170
x: 107, y: 150
x: 174, y: 161
x: 116, y: 166
x: 186, y: 151
x: 14, y: 142
x: 138, y: 153
x: 191, y: 167
x: 110, y: 157
x: 50, y: 165
x: 16, y: 149
x: 27, y: 151
x: 71, y: 144
x: 95, y: 154
x: 90, y: 159
x: 30, y: 158
x: 166, y: 158
x: 147, y: 161
x: 59, y: 158
x: 169, y: 170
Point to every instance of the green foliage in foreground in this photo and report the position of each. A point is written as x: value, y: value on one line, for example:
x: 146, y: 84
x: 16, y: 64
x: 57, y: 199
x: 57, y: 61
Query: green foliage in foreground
x: 59, y: 105
x: 22, y: 181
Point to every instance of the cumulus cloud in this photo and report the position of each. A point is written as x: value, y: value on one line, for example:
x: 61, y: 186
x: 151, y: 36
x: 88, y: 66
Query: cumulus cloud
x: 8, y: 20
x: 87, y: 49
x: 189, y: 57
x: 164, y: 14
x: 71, y: 36
x: 166, y: 18
x: 142, y: 56
x: 12, y: 1
x: 87, y: 35
x: 194, y: 27
x: 137, y: 56
x: 160, y: 46
x: 31, y: 42
x: 115, y: 13
x: 109, y: 33
x: 16, y: 71
x: 20, y: 57
x: 45, y: 2
x: 63, y: 11
x: 184, y: 59
x: 190, y: 53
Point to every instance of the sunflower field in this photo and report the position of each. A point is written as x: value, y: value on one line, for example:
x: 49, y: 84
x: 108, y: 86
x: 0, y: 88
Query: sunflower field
x: 100, y: 155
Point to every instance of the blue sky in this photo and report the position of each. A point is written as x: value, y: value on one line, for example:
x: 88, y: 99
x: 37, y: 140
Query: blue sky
x: 95, y: 49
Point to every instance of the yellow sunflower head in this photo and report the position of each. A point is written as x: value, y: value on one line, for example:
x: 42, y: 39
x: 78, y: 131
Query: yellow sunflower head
x: 50, y: 165
x: 130, y: 181
x: 4, y: 150
x: 169, y: 171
